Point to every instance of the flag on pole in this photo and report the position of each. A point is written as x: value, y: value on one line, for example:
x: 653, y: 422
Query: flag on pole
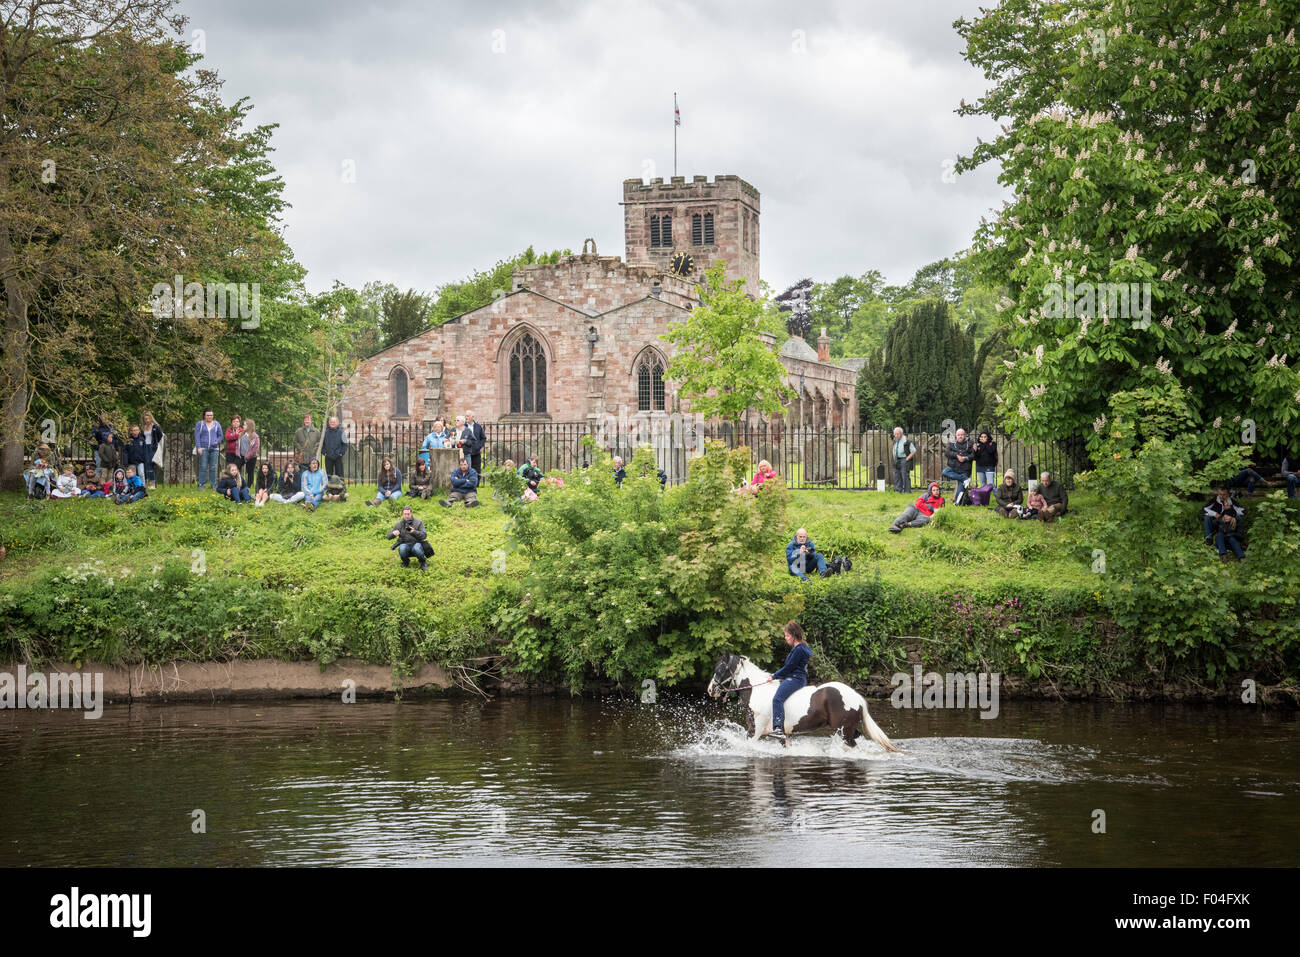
x: 677, y: 113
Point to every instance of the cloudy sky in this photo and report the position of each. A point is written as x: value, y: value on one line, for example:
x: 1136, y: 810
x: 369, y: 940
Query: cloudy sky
x: 476, y: 129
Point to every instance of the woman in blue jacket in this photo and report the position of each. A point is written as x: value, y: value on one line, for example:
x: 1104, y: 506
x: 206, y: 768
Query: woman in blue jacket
x: 793, y: 676
x: 313, y: 485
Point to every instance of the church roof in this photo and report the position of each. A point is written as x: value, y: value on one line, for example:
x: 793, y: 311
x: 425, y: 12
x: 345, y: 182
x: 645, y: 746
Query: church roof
x: 797, y: 348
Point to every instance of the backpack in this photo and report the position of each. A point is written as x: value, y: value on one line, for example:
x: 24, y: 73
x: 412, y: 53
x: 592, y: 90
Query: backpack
x: 981, y: 495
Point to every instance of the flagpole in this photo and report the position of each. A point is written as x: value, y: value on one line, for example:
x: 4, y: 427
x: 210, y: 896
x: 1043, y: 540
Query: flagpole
x: 675, y: 122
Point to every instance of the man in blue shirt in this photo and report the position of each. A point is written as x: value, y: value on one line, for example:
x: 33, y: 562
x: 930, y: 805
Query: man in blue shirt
x: 464, y: 487
x: 801, y: 556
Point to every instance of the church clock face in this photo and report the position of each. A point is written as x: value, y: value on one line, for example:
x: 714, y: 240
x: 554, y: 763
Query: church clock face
x: 683, y: 264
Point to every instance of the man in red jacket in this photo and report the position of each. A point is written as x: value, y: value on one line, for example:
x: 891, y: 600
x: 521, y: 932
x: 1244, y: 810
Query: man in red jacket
x: 918, y: 514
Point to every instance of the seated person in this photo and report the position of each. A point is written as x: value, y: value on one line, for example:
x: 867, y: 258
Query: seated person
x: 1009, y: 495
x: 620, y: 472
x: 66, y: 485
x: 918, y: 513
x: 40, y: 479
x: 1291, y: 473
x: 801, y: 556
x: 422, y: 480
x: 1222, y: 521
x: 265, y: 484
x: 1034, y: 503
x: 289, y: 485
x: 90, y: 484
x: 1248, y: 478
x: 411, y: 539
x: 1055, y: 501
x: 313, y: 485
x: 464, y: 486
x: 389, y: 483
x: 960, y: 453
x: 532, y: 474
x: 231, y: 485
x: 336, y: 490
x: 764, y: 474
x: 135, y: 483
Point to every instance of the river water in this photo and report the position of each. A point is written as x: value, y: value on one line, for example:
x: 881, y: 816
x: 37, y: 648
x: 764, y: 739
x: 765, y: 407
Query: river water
x: 546, y: 781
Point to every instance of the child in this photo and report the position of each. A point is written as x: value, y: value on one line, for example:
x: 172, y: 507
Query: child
x: 67, y: 485
x: 1033, y: 503
x: 108, y: 457
x: 116, y: 488
x: 90, y: 486
x: 135, y: 484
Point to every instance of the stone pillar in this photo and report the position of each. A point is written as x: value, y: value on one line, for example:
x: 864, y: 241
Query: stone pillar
x: 823, y: 347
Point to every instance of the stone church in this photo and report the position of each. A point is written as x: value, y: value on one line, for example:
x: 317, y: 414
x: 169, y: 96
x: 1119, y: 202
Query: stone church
x: 581, y: 339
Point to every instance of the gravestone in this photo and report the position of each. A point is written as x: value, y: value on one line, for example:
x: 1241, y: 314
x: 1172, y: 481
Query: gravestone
x: 818, y: 459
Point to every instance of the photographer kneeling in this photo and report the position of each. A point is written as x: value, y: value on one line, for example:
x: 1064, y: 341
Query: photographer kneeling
x: 411, y: 539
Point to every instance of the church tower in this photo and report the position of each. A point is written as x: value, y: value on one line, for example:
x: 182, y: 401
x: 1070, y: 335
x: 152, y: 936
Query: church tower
x: 693, y: 225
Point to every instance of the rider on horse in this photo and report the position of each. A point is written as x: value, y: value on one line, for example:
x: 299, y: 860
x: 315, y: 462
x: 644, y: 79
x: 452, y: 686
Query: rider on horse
x: 795, y: 675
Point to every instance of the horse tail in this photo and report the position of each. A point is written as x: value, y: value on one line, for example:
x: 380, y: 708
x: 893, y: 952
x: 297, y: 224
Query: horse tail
x: 874, y: 733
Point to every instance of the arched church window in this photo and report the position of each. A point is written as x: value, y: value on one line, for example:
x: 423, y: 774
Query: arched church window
x: 650, y: 383
x: 527, y: 376
x: 401, y: 406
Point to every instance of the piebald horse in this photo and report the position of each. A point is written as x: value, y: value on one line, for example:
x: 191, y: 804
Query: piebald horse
x: 833, y: 705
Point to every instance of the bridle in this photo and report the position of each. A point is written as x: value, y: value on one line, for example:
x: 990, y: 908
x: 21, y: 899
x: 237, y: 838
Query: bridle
x: 731, y: 674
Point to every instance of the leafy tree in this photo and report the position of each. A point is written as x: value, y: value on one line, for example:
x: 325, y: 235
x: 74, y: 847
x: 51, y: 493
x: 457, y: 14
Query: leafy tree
x: 927, y: 372
x: 721, y: 365
x: 119, y: 168
x: 1151, y: 142
x: 477, y: 290
x: 402, y: 315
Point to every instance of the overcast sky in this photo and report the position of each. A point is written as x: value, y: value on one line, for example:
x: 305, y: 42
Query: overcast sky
x: 476, y: 129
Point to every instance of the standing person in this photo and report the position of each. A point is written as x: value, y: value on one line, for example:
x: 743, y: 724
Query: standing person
x: 1009, y: 496
x: 464, y: 486
x: 313, y: 485
x: 412, y: 539
x: 265, y: 483
x: 305, y: 441
x: 986, y: 460
x: 436, y: 439
x: 620, y: 472
x: 457, y: 435
x: 1290, y: 470
x: 793, y: 675
x: 959, y: 453
x: 473, y: 440
x: 250, y: 447
x: 137, y: 450
x: 334, y: 446
x: 208, y: 441
x: 904, y: 452
x: 290, y: 485
x: 153, y: 439
x: 918, y: 514
x: 232, y: 485
x: 389, y: 482
x: 108, y: 458
x: 97, y: 433
x: 232, y: 437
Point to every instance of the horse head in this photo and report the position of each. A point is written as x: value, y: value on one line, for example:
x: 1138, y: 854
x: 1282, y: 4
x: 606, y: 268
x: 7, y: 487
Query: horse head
x: 728, y: 674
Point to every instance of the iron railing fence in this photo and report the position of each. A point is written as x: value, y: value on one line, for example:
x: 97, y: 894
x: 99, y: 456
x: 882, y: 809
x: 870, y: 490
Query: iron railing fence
x: 805, y: 457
